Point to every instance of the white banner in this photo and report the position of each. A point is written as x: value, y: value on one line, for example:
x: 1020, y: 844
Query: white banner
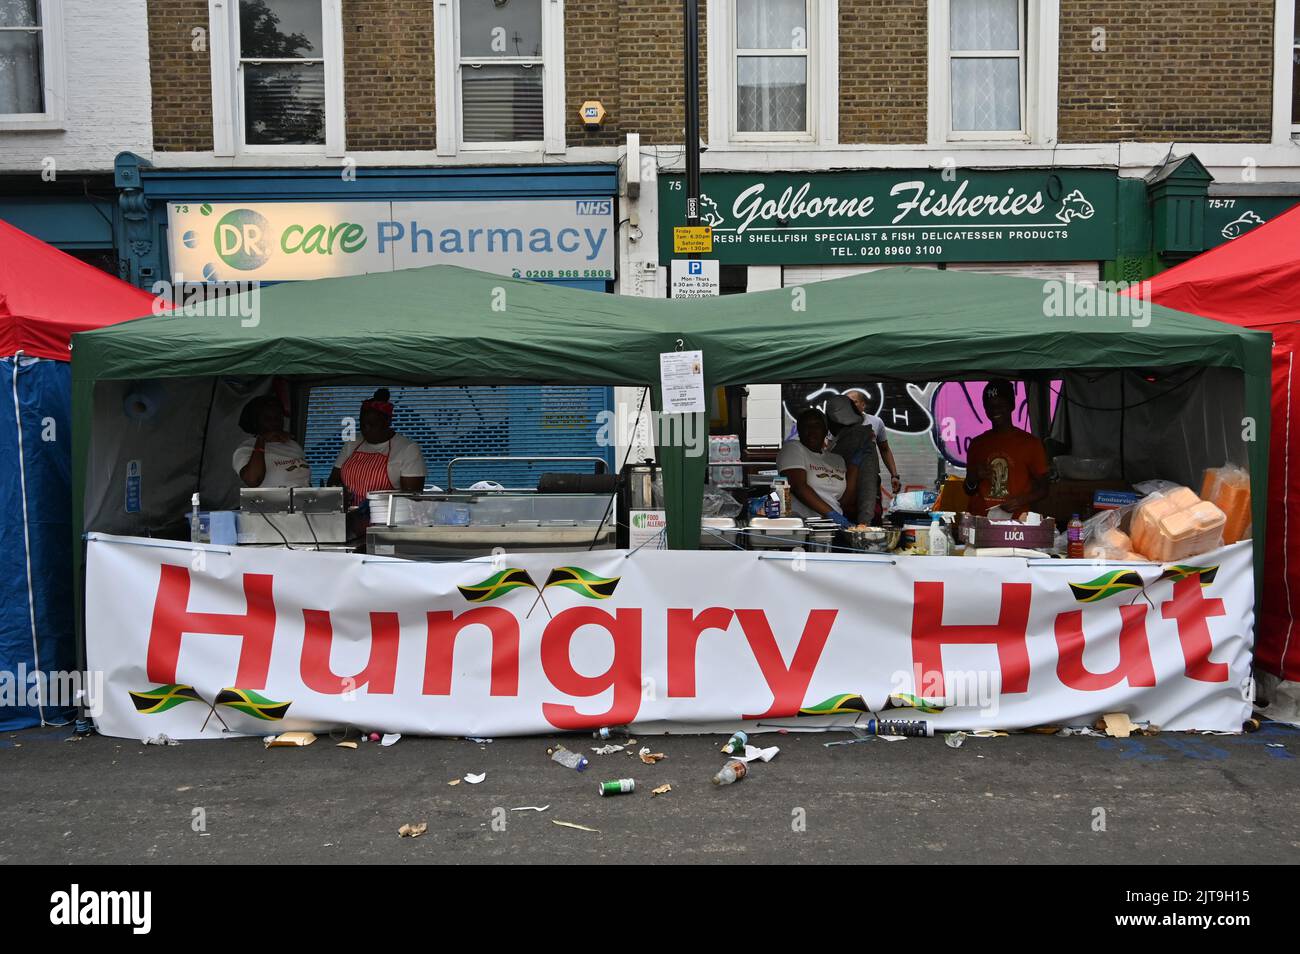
x: 282, y: 241
x: 194, y: 639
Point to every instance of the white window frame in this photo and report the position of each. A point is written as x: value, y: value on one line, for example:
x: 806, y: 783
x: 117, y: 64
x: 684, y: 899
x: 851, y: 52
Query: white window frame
x: 1284, y: 130
x: 228, y: 93
x: 446, y: 29
x: 1040, y: 30
x: 823, y: 79
x: 53, y: 76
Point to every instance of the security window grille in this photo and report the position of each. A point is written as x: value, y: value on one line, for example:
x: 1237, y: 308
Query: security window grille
x: 282, y: 72
x: 449, y: 422
x: 986, y: 61
x: 22, y: 80
x: 501, y: 69
x: 771, y: 66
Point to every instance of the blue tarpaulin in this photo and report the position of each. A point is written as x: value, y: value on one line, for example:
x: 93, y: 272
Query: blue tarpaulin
x: 36, y: 608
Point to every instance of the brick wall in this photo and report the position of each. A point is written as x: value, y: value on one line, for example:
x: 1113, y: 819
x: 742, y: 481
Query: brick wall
x: 884, y: 65
x: 649, y: 38
x: 1181, y: 70
x: 388, y: 77
x: 181, y: 77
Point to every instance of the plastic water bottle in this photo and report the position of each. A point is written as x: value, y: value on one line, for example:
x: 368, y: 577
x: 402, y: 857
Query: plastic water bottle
x: 733, y: 771
x: 938, y: 538
x: 573, y: 760
x: 607, y: 732
x: 916, y: 728
x: 1074, y: 534
x: 736, y: 743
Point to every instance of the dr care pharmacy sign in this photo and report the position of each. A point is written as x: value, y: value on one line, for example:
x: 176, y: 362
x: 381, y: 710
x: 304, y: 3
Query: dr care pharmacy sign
x: 285, y: 241
x: 901, y: 216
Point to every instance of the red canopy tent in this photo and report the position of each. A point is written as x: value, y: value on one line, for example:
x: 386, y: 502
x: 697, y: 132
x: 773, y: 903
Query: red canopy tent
x: 46, y: 295
x: 1254, y: 282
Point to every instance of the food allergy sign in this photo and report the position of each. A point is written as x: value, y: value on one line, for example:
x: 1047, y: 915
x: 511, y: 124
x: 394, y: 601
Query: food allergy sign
x: 900, y: 216
x: 566, y: 239
x: 681, y: 377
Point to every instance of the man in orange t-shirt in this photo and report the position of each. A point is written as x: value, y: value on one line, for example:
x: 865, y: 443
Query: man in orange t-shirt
x: 1005, y: 466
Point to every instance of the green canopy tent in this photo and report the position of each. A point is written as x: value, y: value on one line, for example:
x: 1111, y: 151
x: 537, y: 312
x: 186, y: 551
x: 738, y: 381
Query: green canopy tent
x: 446, y: 325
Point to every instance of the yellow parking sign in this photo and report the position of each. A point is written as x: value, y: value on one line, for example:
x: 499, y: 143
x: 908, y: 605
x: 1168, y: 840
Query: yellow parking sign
x: 691, y: 239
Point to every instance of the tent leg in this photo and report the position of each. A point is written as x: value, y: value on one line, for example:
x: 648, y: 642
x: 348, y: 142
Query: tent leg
x: 27, y: 542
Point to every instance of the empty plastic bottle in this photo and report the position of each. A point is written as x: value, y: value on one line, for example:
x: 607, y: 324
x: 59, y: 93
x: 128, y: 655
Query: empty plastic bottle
x: 573, y: 760
x: 733, y: 771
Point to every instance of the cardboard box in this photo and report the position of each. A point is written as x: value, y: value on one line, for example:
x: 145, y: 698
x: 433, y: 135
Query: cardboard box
x: 982, y: 532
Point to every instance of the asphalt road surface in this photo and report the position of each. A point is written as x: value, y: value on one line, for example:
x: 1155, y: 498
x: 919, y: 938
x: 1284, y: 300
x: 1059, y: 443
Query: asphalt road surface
x: 1168, y: 799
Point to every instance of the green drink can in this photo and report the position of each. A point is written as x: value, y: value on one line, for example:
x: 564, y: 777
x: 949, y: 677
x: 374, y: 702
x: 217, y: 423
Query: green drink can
x: 617, y: 786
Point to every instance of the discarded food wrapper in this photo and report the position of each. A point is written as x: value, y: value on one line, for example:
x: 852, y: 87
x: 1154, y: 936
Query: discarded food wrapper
x: 1275, y: 745
x: 390, y: 738
x: 650, y: 758
x: 531, y: 808
x: 564, y: 824
x: 412, y: 831
x: 1146, y: 728
x: 345, y: 745
x: 454, y: 781
x: 290, y: 738
x: 954, y: 739
x: 1044, y: 729
x: 1078, y: 730
x: 158, y: 740
x: 475, y: 779
x: 1116, y: 725
x: 754, y: 753
x: 661, y: 790
x: 607, y: 749
x: 987, y: 733
x: 470, y: 738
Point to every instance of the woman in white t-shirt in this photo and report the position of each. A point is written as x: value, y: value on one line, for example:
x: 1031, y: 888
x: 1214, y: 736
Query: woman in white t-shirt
x: 820, y: 482
x: 382, y: 460
x: 270, y: 457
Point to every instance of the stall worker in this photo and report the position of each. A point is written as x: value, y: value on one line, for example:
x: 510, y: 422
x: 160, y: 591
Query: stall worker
x: 855, y: 441
x: 1005, y: 466
x: 820, y: 481
x: 859, y: 400
x: 382, y: 460
x: 269, y: 457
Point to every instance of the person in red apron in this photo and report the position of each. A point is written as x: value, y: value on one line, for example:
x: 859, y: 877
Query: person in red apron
x: 382, y: 460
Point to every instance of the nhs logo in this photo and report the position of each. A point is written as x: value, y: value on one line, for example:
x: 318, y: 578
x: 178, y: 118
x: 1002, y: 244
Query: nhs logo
x: 595, y: 206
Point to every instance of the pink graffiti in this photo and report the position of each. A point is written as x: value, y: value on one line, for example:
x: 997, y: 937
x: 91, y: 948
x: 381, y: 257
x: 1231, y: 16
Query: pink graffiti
x: 957, y: 408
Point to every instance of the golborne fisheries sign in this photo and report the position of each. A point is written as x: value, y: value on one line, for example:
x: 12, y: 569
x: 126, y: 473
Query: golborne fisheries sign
x: 907, y: 216
x: 280, y: 241
x: 195, y: 642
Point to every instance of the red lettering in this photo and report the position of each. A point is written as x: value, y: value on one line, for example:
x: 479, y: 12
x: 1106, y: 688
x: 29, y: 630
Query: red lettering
x: 444, y: 627
x: 930, y: 634
x: 171, y: 618
x: 789, y: 685
x: 684, y: 631
x: 1134, y: 652
x: 381, y: 667
x: 623, y: 674
x: 1191, y: 610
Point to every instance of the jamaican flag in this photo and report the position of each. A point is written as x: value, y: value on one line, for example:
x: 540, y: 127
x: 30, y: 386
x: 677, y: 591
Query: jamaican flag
x: 1108, y: 584
x: 498, y: 584
x: 162, y: 698
x: 582, y: 581
x: 846, y: 702
x: 1182, y: 571
x: 905, y: 700
x: 251, y: 703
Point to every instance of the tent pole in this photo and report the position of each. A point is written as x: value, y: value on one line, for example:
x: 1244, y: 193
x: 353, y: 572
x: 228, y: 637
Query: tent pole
x: 27, y: 542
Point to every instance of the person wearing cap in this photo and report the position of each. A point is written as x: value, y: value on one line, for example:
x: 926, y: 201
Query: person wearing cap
x: 1005, y: 466
x: 859, y: 399
x: 855, y: 441
x: 382, y: 460
x: 820, y: 481
x: 269, y: 457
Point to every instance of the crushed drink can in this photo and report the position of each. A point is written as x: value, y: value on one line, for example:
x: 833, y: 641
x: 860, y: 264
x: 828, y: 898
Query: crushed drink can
x: 618, y: 786
x: 910, y: 727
